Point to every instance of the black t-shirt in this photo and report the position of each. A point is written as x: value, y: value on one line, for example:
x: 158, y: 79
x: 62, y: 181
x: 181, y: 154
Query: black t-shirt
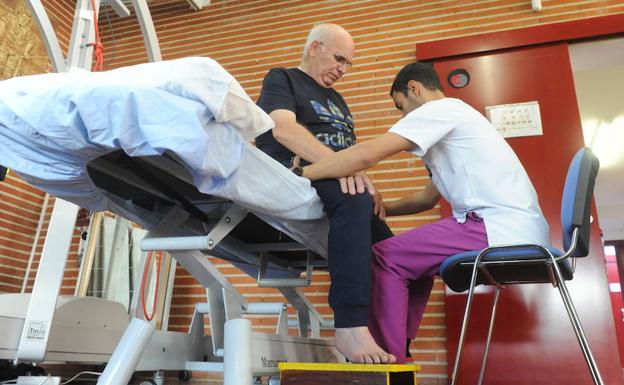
x: 321, y: 110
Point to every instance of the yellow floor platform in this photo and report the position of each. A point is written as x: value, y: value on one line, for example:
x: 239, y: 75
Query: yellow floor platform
x: 303, y: 373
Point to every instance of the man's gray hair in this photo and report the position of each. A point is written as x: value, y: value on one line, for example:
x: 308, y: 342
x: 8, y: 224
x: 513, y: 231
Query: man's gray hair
x: 322, y: 32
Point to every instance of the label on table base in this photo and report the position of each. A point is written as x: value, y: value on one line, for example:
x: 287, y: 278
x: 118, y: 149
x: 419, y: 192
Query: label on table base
x: 36, y: 331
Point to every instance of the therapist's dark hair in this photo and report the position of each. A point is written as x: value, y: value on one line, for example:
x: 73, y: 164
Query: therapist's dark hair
x: 422, y: 72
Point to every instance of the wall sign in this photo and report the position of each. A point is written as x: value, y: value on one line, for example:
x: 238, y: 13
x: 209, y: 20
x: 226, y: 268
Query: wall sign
x: 518, y: 119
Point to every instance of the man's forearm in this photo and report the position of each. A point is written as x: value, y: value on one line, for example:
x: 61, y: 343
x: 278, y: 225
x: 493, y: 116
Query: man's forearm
x: 343, y: 163
x: 299, y: 140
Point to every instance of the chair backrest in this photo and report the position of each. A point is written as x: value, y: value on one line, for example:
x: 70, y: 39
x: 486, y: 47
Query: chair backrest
x: 576, y: 200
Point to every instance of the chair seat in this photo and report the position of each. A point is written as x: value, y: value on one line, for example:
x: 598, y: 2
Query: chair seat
x: 506, y: 265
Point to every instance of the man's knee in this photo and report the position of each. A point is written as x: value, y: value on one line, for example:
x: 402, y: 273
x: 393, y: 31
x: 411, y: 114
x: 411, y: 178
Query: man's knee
x: 358, y: 203
x: 335, y: 201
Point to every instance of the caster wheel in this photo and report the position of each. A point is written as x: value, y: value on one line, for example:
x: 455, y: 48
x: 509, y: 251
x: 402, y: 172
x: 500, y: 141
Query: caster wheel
x: 184, y: 375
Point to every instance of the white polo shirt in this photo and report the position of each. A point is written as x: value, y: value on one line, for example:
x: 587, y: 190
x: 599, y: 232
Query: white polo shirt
x: 476, y: 170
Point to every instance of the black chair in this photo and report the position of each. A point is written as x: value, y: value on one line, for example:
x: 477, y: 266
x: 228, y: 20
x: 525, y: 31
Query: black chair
x: 522, y: 264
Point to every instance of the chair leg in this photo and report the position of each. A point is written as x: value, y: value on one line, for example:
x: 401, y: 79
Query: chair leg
x: 462, y: 334
x: 576, y: 324
x: 489, y: 336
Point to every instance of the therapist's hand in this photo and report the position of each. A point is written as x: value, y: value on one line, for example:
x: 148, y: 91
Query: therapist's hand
x: 378, y: 208
x: 378, y: 204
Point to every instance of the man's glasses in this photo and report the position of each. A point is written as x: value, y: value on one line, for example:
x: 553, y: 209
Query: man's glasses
x: 339, y: 59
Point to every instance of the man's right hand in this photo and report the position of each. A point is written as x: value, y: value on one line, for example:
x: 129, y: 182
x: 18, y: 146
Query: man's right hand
x: 354, y: 184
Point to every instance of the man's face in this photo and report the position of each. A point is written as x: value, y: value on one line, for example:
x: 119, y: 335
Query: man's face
x: 405, y: 103
x: 332, y: 59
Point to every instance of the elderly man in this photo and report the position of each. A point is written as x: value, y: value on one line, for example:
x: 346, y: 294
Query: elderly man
x: 312, y: 121
x: 471, y: 166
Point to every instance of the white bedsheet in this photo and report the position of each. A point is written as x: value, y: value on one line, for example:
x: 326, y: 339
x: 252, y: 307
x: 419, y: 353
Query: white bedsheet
x: 52, y: 125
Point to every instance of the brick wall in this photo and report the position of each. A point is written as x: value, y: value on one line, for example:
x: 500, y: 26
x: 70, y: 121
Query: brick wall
x: 72, y: 265
x: 20, y: 210
x: 20, y: 207
x: 249, y: 37
x: 61, y: 15
x: 21, y: 204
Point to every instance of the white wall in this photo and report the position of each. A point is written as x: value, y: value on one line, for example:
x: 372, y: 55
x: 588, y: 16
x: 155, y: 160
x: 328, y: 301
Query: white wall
x: 598, y: 68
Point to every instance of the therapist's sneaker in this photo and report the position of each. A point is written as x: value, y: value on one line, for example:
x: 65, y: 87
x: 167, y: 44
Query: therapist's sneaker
x: 358, y: 345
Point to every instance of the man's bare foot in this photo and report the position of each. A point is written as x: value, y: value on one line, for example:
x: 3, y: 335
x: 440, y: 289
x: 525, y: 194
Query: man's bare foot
x: 358, y: 345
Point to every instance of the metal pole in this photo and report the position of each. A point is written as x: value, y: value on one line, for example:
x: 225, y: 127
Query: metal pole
x: 237, y: 359
x: 84, y: 275
x: 127, y: 354
x: 40, y: 313
x: 147, y: 29
x: 576, y: 324
x: 489, y: 336
x: 462, y: 334
x: 48, y: 35
x: 44, y: 209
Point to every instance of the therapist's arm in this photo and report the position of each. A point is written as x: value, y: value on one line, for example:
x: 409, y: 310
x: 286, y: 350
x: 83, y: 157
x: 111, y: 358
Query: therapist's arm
x: 297, y: 138
x: 292, y: 135
x: 420, y: 201
x: 358, y: 157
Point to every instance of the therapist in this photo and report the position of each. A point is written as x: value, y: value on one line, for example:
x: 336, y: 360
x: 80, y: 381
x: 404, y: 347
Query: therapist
x: 312, y: 121
x: 471, y: 166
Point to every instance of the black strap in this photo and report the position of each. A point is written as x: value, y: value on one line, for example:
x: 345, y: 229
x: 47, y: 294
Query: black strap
x: 3, y: 173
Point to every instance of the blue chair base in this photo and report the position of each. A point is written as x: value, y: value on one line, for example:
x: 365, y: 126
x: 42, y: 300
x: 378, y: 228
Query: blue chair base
x: 507, y: 265
x: 511, y: 265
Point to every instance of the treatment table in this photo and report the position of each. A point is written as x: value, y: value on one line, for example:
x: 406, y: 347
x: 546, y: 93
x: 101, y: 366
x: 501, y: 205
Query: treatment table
x: 167, y: 146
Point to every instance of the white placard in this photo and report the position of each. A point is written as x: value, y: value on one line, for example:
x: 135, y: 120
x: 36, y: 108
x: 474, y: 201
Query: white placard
x: 518, y: 119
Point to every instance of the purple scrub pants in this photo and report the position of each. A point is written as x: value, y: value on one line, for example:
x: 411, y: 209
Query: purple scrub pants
x: 403, y: 270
